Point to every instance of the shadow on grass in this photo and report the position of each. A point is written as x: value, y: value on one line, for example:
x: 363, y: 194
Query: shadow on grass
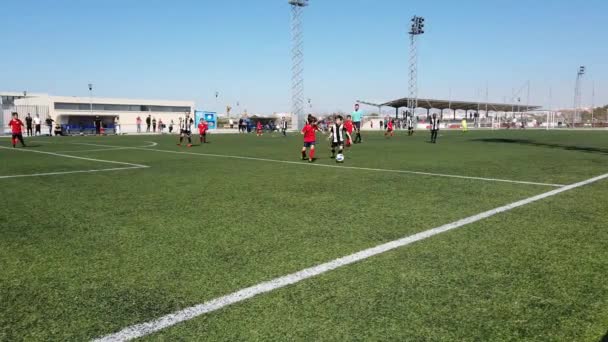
x: 605, y: 338
x: 541, y: 144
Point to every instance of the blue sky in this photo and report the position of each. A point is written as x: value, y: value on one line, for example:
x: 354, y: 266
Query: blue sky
x: 355, y: 49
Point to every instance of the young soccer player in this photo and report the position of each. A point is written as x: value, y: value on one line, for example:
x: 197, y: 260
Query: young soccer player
x: 389, y: 128
x: 336, y: 136
x: 410, y: 125
x: 349, y: 126
x: 202, y: 131
x: 16, y: 126
x: 434, y: 128
x: 309, y: 132
x: 259, y: 129
x: 185, y: 125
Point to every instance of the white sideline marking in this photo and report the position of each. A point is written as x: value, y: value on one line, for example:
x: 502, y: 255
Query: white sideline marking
x: 344, y: 166
x: 74, y: 157
x: 70, y: 172
x: 143, y: 329
x: 95, y: 150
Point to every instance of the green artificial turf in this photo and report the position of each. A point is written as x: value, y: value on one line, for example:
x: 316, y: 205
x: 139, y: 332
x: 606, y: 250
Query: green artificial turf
x: 86, y: 254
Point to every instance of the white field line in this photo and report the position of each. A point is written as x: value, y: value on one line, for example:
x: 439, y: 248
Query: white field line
x: 74, y: 157
x: 344, y: 166
x: 95, y: 150
x: 70, y: 172
x: 143, y: 329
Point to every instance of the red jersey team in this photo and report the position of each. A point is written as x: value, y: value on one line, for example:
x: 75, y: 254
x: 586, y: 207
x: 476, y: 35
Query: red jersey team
x: 16, y: 126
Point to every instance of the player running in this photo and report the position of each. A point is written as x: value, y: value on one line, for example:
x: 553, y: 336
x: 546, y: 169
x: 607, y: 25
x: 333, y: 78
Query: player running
x: 309, y: 131
x: 336, y: 136
x: 259, y: 129
x: 185, y: 126
x: 203, y: 127
x: 389, y: 128
x: 350, y: 127
x: 16, y: 126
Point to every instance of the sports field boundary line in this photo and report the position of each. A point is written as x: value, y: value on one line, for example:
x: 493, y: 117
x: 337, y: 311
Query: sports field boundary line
x: 147, y: 328
x: 70, y: 172
x: 75, y: 157
x: 421, y: 173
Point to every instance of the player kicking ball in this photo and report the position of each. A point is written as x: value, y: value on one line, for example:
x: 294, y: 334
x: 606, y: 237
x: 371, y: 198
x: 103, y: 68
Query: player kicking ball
x: 203, y: 127
x: 390, y: 131
x: 309, y: 131
x: 185, y: 126
x: 337, y: 135
x: 16, y: 126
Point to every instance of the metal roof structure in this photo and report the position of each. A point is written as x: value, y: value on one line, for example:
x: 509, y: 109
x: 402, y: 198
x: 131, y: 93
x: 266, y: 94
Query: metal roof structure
x: 458, y: 105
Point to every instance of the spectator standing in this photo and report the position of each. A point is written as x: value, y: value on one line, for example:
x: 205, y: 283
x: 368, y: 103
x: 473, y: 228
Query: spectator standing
x: 231, y: 123
x: 97, y: 123
x: 117, y: 126
x: 283, y: 126
x: 154, y: 125
x: 49, y: 125
x: 138, y: 123
x: 171, y: 127
x: 28, y: 125
x: 148, y: 123
x: 160, y: 126
x: 37, y: 123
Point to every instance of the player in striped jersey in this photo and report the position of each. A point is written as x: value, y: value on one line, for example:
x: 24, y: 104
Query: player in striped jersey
x: 185, y: 128
x: 337, y: 135
x: 410, y: 125
x: 434, y: 128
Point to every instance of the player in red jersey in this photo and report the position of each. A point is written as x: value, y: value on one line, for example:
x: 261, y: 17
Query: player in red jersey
x: 16, y: 126
x: 259, y: 129
x: 350, y: 127
x: 202, y: 131
x: 389, y: 128
x: 309, y: 132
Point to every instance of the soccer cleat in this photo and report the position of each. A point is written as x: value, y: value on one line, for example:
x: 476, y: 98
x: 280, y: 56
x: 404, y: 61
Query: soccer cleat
x: 189, y: 145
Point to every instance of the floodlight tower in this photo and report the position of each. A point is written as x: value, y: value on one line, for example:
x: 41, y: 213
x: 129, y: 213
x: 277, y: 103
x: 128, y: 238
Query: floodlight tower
x: 417, y: 29
x: 297, y: 60
x: 577, y: 93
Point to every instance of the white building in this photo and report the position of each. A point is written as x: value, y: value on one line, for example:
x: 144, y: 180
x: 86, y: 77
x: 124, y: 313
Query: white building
x: 79, y: 112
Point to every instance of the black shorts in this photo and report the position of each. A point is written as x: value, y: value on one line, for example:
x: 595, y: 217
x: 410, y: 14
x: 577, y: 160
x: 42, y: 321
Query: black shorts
x: 185, y: 132
x: 337, y: 144
x: 17, y: 135
x: 358, y: 125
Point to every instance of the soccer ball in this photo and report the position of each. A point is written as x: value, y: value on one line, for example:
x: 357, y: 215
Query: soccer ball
x: 339, y: 158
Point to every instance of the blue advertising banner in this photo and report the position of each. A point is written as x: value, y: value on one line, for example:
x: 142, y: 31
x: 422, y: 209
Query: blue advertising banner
x: 210, y: 117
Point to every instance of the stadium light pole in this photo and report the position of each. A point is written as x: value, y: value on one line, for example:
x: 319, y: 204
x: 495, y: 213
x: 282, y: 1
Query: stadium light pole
x: 91, y: 98
x: 297, y: 60
x: 577, y: 92
x: 416, y: 29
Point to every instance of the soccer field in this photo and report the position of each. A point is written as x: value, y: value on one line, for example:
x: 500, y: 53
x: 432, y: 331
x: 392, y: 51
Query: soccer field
x: 489, y: 235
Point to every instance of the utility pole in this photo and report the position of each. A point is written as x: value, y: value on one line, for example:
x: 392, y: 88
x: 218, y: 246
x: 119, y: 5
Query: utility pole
x: 297, y: 60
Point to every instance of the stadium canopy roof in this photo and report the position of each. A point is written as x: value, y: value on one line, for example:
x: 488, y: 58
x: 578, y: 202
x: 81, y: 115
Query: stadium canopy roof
x: 457, y: 105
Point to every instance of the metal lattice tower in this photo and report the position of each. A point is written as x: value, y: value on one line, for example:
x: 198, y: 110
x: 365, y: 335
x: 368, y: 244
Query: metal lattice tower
x: 577, y: 95
x: 412, y: 99
x: 297, y: 59
x: 416, y: 29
